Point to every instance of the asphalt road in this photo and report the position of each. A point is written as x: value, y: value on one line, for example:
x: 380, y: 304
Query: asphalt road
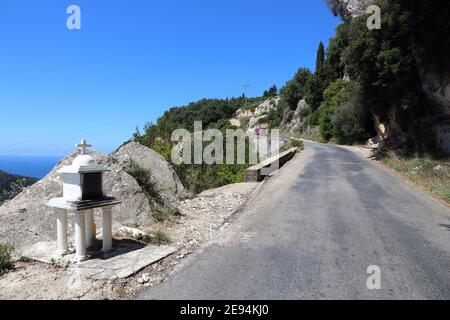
x: 313, y: 230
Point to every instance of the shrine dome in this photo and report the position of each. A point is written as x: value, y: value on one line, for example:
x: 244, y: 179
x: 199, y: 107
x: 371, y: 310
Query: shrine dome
x: 84, y: 161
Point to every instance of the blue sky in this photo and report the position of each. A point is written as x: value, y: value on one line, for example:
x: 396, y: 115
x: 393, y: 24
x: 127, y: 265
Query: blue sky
x: 132, y: 60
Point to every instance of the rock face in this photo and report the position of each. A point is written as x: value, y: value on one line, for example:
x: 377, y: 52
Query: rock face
x: 244, y: 113
x: 26, y: 220
x: 254, y: 123
x: 435, y: 85
x: 260, y: 113
x: 296, y: 122
x: 266, y: 106
x: 301, y: 106
x: 263, y: 108
x: 351, y: 8
x: 358, y: 7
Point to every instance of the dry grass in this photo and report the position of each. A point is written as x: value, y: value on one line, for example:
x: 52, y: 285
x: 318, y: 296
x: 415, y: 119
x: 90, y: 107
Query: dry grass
x: 431, y: 174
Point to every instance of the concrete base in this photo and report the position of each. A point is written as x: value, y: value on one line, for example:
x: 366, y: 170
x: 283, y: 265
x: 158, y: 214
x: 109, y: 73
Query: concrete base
x: 122, y: 266
x: 126, y: 260
x: 46, y: 252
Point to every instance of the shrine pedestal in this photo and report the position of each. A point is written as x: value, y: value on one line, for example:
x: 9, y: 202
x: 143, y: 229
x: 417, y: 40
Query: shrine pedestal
x: 83, y: 214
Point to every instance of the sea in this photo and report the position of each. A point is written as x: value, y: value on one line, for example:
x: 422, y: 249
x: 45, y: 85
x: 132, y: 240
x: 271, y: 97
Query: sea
x: 29, y: 166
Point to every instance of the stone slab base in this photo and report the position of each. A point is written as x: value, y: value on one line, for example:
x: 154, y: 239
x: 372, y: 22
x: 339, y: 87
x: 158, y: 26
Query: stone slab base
x: 128, y: 259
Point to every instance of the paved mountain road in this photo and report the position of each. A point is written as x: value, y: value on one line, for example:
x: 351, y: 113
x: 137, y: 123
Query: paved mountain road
x: 313, y: 230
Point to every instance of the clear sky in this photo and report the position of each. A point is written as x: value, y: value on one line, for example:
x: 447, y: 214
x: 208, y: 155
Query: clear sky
x: 133, y: 59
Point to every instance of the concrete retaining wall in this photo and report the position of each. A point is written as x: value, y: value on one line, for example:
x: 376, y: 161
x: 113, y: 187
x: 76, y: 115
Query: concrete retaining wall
x: 258, y: 172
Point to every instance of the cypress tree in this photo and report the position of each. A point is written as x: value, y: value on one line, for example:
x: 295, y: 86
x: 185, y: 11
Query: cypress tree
x: 320, y: 61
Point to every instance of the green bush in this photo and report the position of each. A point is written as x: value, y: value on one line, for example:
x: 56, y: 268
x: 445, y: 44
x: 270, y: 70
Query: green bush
x: 6, y: 262
x: 275, y: 116
x: 335, y: 95
x: 350, y: 122
x: 271, y: 92
x: 158, y: 238
x: 295, y: 89
x: 298, y: 144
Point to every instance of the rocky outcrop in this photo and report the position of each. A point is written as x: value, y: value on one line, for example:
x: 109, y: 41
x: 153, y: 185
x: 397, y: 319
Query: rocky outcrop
x: 256, y: 122
x: 349, y: 9
x: 245, y: 113
x: 294, y: 122
x: 267, y: 106
x: 167, y: 183
x: 260, y: 113
x: 357, y: 7
x: 235, y: 122
x: 26, y: 219
x: 262, y: 109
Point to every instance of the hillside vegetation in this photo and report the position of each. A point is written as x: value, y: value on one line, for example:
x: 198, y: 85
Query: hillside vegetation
x: 213, y: 113
x: 10, y: 184
x: 382, y: 76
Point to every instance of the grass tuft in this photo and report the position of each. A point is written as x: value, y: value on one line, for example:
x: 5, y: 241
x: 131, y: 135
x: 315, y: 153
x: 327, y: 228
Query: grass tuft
x: 158, y: 238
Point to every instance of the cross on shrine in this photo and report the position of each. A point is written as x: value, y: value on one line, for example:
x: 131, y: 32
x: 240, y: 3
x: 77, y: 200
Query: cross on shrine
x: 83, y: 146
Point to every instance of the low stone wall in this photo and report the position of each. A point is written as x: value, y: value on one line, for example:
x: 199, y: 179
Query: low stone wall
x: 258, y: 172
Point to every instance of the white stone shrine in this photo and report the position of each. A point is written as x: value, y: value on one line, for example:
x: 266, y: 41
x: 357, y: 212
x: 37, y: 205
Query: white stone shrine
x: 82, y: 193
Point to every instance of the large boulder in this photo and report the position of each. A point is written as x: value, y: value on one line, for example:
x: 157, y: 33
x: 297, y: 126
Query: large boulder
x: 26, y: 220
x: 167, y: 183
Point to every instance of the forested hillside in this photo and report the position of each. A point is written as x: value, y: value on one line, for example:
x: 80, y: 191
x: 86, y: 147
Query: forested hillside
x: 213, y: 113
x: 10, y: 184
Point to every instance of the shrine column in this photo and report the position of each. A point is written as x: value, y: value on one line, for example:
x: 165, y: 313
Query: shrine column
x: 90, y: 232
x: 61, y: 226
x: 107, y: 229
x: 80, y: 236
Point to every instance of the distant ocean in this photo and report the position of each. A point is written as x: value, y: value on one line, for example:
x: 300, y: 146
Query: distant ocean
x: 30, y: 166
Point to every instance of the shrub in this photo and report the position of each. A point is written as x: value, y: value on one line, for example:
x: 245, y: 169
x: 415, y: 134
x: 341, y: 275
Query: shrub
x: 298, y: 144
x: 159, y: 237
x: 262, y: 119
x: 6, y: 262
x: 350, y: 122
x: 295, y: 89
x: 335, y: 95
